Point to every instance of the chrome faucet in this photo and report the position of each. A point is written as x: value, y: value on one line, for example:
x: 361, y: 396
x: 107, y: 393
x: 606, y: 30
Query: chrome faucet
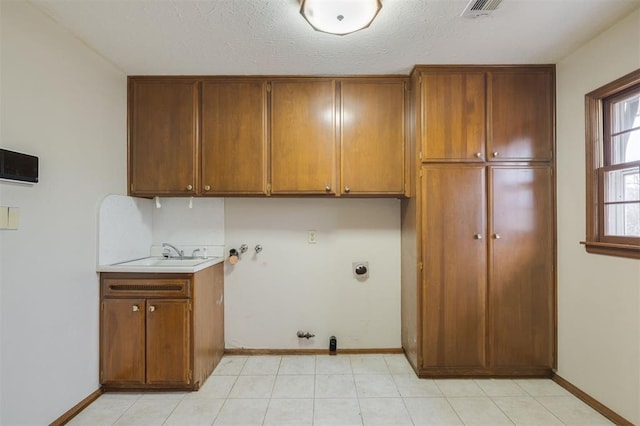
x: 194, y: 253
x: 166, y: 252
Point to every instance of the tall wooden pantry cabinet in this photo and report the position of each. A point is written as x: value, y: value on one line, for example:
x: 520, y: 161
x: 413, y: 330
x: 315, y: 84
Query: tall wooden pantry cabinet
x: 478, y: 290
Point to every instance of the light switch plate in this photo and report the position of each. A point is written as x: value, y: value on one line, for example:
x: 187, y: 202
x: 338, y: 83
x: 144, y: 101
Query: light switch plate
x: 14, y: 218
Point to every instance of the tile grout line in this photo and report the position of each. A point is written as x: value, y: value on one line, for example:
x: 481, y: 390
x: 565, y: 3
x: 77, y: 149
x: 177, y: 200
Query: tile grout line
x: 536, y: 399
x: 494, y: 403
x: 226, y: 399
x: 404, y: 403
x: 446, y: 398
x: 353, y: 376
x: 128, y: 408
x: 315, y: 381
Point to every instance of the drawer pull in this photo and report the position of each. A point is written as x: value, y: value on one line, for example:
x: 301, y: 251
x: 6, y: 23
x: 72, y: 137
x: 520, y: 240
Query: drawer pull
x: 135, y: 287
x: 135, y: 308
x: 152, y: 308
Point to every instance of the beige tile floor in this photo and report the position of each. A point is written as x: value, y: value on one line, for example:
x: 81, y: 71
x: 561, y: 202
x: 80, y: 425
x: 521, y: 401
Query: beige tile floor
x: 342, y: 390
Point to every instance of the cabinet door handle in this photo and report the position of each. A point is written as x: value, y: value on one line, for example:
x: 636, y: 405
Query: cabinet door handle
x: 495, y: 153
x: 327, y: 188
x: 189, y: 187
x: 207, y: 188
x: 135, y: 308
x: 496, y: 236
x: 152, y: 308
x: 478, y: 155
x: 347, y: 189
x: 478, y: 236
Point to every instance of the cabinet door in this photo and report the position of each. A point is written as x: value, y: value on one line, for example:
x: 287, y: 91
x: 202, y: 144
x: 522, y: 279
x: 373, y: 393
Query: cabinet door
x: 168, y: 341
x: 372, y: 122
x: 122, y: 341
x: 521, y: 297
x: 453, y: 116
x: 234, y: 137
x: 163, y: 137
x: 454, y: 266
x: 521, y: 114
x: 303, y: 137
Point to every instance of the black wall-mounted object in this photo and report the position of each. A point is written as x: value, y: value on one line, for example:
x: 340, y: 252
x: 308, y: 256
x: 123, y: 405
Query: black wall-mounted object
x: 333, y: 345
x: 18, y: 166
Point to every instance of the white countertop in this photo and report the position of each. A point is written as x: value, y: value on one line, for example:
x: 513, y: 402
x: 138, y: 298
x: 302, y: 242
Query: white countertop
x: 162, y: 265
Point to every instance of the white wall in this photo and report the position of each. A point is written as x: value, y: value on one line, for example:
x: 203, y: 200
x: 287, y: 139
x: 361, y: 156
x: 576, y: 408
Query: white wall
x: 292, y: 285
x: 62, y: 102
x: 200, y: 225
x: 598, y: 296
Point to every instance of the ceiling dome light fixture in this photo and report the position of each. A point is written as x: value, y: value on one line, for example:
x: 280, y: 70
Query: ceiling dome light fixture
x: 339, y: 17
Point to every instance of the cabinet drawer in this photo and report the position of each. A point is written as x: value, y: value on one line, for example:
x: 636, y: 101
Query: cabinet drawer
x: 146, y: 287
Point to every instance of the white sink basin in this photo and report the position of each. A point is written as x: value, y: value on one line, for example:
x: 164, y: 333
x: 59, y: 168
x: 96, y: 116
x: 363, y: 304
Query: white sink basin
x: 161, y: 261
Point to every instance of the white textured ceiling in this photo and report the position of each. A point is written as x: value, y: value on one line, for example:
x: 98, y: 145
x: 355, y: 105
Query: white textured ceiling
x: 244, y: 37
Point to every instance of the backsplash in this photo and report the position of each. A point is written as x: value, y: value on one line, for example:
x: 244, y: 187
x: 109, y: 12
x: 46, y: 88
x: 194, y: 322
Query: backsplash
x: 132, y: 228
x: 124, y: 229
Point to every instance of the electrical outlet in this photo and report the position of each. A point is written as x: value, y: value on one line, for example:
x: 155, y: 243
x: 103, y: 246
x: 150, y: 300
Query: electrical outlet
x: 311, y: 237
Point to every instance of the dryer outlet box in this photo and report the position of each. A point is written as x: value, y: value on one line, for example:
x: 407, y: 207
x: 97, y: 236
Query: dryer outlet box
x: 360, y: 270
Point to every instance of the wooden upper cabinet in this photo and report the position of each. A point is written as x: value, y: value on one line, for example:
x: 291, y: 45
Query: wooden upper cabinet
x: 521, y: 297
x: 303, y: 136
x: 373, y: 136
x: 234, y: 137
x: 163, y: 136
x: 453, y: 115
x: 521, y: 114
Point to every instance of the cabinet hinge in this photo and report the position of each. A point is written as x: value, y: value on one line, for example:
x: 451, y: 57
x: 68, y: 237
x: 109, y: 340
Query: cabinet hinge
x: 268, y: 189
x: 406, y: 86
x: 131, y: 186
x: 420, y: 173
x: 190, y: 376
x: 420, y: 265
x: 268, y: 87
x: 420, y: 155
x: 190, y: 307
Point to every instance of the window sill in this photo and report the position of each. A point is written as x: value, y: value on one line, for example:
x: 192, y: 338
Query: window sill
x: 610, y: 249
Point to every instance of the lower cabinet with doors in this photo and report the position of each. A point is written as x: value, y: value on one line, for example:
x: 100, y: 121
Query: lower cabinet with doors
x: 159, y: 330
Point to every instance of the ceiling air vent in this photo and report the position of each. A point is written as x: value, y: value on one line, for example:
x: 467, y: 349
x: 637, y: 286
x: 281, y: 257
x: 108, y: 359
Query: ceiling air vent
x: 477, y: 8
